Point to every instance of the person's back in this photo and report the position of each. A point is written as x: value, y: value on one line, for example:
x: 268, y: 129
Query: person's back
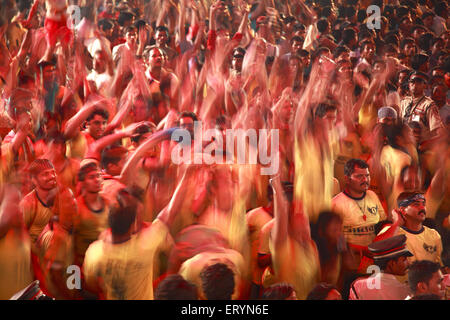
x: 124, y: 261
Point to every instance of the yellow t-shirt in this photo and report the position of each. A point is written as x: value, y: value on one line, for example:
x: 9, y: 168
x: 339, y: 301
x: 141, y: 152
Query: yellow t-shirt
x: 357, y: 230
x: 424, y: 245
x: 15, y: 264
x: 191, y: 268
x: 36, y: 214
x: 126, y: 269
x: 297, y: 265
x: 87, y: 226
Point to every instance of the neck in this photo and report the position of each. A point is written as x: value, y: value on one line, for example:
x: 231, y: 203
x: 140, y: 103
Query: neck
x: 417, y: 95
x: 43, y: 194
x: 413, y: 225
x: 91, y: 197
x: 155, y: 72
x: 353, y: 193
x: 117, y: 239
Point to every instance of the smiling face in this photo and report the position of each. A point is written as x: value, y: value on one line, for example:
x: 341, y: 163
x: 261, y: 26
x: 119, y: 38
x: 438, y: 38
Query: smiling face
x: 96, y: 126
x: 46, y: 179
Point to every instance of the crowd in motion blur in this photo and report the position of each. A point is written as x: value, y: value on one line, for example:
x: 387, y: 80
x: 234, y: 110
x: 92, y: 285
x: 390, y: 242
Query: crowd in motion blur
x: 93, y: 205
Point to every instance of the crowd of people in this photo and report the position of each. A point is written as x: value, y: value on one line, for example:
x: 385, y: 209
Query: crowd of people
x: 354, y: 95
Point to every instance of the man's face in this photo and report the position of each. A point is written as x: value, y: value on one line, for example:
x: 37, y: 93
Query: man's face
x: 96, y: 126
x: 46, y: 179
x: 155, y: 58
x: 415, y: 211
x: 109, y: 6
x: 140, y: 110
x: 344, y: 56
x: 346, y: 70
x: 161, y: 38
x: 93, y: 182
x: 286, y: 112
x: 236, y: 62
x: 305, y: 60
x: 434, y: 285
x: 187, y: 123
x: 406, y: 24
x: 294, y: 65
x: 368, y: 52
x: 428, y: 22
x: 296, y: 45
x: 416, y: 87
x: 399, y: 266
x: 359, y: 180
x: 131, y: 38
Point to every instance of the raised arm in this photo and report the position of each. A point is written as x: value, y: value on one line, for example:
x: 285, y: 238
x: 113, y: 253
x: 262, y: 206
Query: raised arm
x: 130, y: 166
x: 10, y: 213
x: 281, y: 212
x: 73, y: 124
x: 102, y: 143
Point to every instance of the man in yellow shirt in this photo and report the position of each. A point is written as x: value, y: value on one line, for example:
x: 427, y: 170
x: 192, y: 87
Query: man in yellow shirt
x: 92, y: 217
x: 119, y: 266
x: 360, y: 210
x: 423, y: 242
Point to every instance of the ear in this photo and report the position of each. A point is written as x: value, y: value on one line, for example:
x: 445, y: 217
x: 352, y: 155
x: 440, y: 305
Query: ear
x: 421, y: 287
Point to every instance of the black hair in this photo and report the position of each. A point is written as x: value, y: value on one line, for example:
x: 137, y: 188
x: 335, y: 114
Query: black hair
x: 84, y: 170
x: 188, y: 114
x: 322, y: 25
x: 418, y: 60
x: 112, y: 155
x: 406, y: 41
x: 124, y: 16
x: 175, y: 287
x: 421, y: 271
x: 123, y: 213
x: 347, y: 35
x: 297, y: 38
x: 351, y: 164
x: 339, y: 50
x: 278, y: 291
x: 323, y: 108
x: 424, y: 41
x: 105, y: 24
x: 101, y: 112
x: 318, y: 231
x: 320, y: 291
x: 361, y: 16
x: 217, y: 282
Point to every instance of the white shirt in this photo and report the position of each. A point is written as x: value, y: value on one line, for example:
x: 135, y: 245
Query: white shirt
x: 379, y: 286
